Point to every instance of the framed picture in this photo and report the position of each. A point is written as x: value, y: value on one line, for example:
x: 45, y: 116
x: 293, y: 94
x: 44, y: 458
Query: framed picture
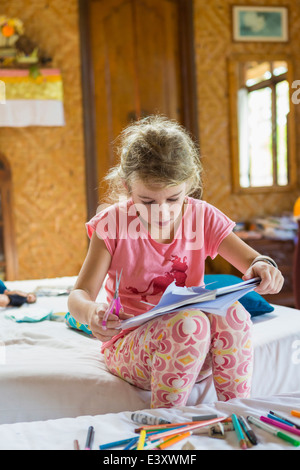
x: 260, y: 23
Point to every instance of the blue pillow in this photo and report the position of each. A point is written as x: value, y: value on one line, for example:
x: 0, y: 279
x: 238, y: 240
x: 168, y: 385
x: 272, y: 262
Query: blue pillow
x: 2, y: 287
x: 253, y: 302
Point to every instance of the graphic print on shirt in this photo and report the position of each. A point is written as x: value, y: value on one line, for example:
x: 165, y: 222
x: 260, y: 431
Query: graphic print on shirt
x: 159, y: 284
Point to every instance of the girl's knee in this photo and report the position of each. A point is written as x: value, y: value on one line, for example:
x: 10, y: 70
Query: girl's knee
x: 237, y: 317
x: 189, y: 322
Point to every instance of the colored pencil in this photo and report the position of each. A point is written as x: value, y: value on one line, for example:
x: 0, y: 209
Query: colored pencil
x: 173, y: 440
x: 131, y: 443
x: 76, y: 445
x: 153, y: 445
x: 187, y: 423
x: 159, y: 431
x: 141, y: 440
x: 117, y: 443
x: 186, y: 428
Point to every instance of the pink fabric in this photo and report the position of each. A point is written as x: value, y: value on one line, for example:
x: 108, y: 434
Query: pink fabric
x: 25, y: 72
x: 148, y: 266
x: 169, y: 354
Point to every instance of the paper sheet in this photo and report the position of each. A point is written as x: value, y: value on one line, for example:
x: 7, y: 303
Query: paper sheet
x: 212, y: 301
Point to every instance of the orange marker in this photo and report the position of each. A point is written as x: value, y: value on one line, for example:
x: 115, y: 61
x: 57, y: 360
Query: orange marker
x: 295, y: 413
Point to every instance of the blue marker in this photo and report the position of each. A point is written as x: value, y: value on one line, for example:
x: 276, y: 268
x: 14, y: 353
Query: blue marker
x: 283, y: 419
x: 280, y: 420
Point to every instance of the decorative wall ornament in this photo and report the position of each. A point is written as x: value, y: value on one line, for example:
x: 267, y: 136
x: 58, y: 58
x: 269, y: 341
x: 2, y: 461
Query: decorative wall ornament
x: 16, y: 48
x: 31, y: 95
x: 10, y: 30
x: 32, y: 101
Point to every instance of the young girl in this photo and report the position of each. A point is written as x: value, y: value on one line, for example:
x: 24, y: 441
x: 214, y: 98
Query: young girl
x: 158, y: 234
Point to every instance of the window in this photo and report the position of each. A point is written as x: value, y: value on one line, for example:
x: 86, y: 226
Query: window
x: 262, y: 145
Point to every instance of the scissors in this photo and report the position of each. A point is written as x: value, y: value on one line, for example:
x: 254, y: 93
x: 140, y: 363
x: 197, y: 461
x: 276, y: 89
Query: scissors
x: 115, y: 305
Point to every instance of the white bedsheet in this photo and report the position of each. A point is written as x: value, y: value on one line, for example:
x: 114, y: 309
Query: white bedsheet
x: 49, y: 371
x: 60, y: 434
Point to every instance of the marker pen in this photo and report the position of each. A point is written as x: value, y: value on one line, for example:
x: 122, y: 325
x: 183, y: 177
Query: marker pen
x: 89, y: 438
x: 272, y: 430
x: 248, y: 430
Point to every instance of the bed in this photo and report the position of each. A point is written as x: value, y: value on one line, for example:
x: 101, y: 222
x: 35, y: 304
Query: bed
x: 49, y: 371
x: 59, y: 434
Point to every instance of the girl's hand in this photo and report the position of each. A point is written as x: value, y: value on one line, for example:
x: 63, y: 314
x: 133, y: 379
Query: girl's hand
x: 113, y: 322
x: 271, y: 278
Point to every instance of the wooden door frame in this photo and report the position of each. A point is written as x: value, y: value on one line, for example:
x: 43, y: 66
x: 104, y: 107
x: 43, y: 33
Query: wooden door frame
x: 188, y: 81
x: 10, y: 251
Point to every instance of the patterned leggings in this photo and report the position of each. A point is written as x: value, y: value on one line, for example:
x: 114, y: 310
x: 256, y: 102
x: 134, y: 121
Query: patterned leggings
x: 169, y: 354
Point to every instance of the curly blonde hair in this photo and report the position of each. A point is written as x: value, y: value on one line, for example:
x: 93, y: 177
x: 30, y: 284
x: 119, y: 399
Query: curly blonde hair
x: 160, y: 153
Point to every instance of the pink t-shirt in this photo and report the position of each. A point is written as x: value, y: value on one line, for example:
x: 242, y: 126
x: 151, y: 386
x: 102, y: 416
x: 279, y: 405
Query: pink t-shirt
x: 149, y: 266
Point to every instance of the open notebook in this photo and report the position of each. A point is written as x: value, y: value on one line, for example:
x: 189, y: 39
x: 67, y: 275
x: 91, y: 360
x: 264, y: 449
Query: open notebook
x: 211, y: 301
